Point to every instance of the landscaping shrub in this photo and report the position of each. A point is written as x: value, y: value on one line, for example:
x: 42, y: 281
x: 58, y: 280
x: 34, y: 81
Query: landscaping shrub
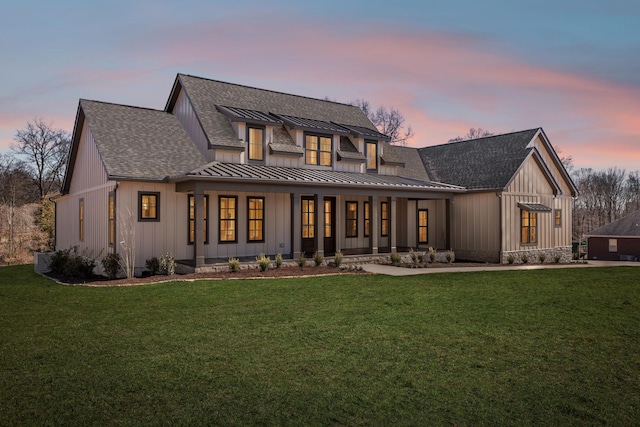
x: 302, y: 261
x: 234, y: 265
x: 395, y: 259
x: 111, y: 265
x: 318, y: 258
x: 542, y: 257
x: 152, y: 265
x: 70, y: 263
x: 524, y: 258
x: 449, y: 256
x: 168, y: 264
x: 263, y: 262
x: 337, y: 258
x: 510, y: 259
x: 58, y: 261
x: 557, y: 258
x: 432, y: 254
x: 278, y: 260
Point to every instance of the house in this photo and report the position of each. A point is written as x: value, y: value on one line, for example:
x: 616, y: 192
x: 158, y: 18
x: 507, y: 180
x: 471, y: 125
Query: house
x: 227, y: 170
x: 617, y: 241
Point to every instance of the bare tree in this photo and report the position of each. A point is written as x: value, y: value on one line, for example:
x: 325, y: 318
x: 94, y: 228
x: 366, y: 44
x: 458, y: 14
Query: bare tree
x: 472, y: 134
x: 45, y: 149
x: 389, y: 121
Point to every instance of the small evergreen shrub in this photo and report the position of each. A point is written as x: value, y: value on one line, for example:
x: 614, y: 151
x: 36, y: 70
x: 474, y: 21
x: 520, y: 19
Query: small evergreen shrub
x: 278, y: 260
x: 234, y: 265
x: 337, y: 258
x: 510, y: 259
x: 70, y: 263
x: 318, y: 258
x: 302, y: 261
x: 168, y: 264
x: 542, y: 257
x: 58, y: 261
x: 557, y: 258
x: 414, y: 256
x: 152, y: 265
x: 263, y: 262
x: 395, y: 259
x: 111, y: 265
x: 524, y: 258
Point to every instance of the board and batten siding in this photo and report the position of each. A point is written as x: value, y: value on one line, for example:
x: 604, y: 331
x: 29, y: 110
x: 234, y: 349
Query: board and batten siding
x: 475, y: 226
x: 187, y: 117
x: 530, y: 185
x: 436, y: 226
x: 89, y: 183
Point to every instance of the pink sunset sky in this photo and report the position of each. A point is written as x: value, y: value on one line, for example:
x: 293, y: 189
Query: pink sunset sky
x: 445, y: 72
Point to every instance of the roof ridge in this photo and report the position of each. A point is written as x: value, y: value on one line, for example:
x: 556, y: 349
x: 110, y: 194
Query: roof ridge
x: 484, y: 137
x: 125, y: 105
x: 269, y: 90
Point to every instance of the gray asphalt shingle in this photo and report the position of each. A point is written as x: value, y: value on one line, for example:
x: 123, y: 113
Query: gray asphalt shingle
x: 627, y: 226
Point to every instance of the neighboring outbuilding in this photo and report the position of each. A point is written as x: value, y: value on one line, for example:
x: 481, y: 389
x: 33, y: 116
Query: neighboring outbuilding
x: 617, y: 241
x: 227, y: 170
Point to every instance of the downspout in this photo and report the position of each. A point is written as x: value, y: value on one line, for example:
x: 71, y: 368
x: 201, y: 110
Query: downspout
x: 55, y: 221
x: 501, y: 226
x: 115, y: 218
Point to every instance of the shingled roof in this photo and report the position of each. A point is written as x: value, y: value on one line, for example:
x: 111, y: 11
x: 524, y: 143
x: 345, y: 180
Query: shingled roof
x: 413, y: 166
x: 205, y: 94
x: 483, y: 163
x: 138, y: 143
x: 629, y: 226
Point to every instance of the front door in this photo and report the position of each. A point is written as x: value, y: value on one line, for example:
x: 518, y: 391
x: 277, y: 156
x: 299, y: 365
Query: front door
x: 329, y: 226
x: 308, y: 225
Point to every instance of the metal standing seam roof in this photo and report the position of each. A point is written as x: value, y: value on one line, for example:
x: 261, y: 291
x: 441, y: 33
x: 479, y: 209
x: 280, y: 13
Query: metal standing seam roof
x: 312, y: 125
x: 362, y: 132
x: 534, y: 207
x: 248, y: 116
x: 218, y: 170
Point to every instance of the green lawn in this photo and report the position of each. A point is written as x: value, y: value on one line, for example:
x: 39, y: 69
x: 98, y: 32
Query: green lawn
x: 554, y: 347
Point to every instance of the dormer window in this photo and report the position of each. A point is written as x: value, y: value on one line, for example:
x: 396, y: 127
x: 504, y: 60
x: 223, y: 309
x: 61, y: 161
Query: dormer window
x: 317, y: 150
x: 255, y: 141
x: 372, y: 155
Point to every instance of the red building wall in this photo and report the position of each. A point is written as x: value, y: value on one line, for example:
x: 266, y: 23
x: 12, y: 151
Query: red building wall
x: 598, y: 248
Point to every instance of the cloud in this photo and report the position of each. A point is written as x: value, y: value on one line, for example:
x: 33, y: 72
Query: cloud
x: 443, y: 82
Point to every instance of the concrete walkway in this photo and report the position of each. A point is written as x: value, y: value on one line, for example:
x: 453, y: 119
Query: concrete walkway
x: 390, y: 270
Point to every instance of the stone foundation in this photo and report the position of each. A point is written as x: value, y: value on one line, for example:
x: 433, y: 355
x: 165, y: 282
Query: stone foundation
x: 533, y: 255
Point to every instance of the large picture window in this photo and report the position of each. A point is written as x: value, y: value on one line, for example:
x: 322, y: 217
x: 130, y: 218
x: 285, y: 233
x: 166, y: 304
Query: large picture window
x: 423, y: 226
x: 529, y: 227
x: 384, y: 219
x: 352, y: 219
x: 255, y: 138
x: 367, y: 219
x: 192, y: 219
x: 255, y: 208
x: 148, y: 206
x: 228, y: 219
x: 317, y: 150
x: 372, y: 156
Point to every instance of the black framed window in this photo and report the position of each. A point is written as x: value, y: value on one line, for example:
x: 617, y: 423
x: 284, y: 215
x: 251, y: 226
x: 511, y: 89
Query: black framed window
x: 255, y: 209
x: 81, y: 220
x: 352, y: 219
x: 148, y: 206
x: 308, y: 218
x: 255, y: 140
x: 384, y: 219
x: 317, y: 150
x: 557, y: 217
x: 228, y: 219
x: 529, y: 227
x: 423, y: 226
x: 372, y: 155
x: 192, y: 219
x: 112, y: 219
x: 367, y: 219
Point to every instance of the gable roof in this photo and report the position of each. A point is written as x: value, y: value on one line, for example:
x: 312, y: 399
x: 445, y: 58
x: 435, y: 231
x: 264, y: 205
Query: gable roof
x: 483, y: 163
x: 205, y: 94
x: 125, y: 138
x: 413, y: 166
x: 629, y: 226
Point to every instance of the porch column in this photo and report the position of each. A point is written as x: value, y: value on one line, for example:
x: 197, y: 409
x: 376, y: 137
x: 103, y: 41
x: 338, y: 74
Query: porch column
x: 198, y: 244
x: 296, y: 225
x: 393, y: 226
x: 320, y: 223
x: 374, y: 224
